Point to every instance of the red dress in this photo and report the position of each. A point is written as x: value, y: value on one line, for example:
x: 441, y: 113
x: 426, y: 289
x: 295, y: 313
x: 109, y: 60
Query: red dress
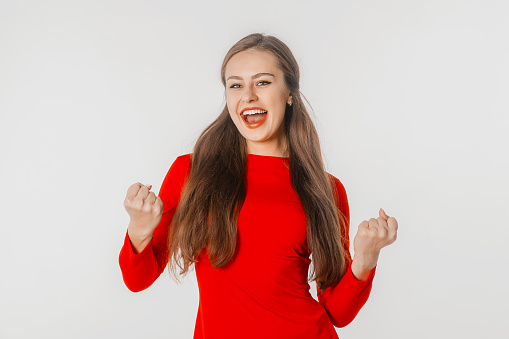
x: 263, y: 291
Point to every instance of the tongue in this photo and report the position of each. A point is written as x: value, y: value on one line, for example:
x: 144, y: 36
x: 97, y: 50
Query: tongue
x: 255, y: 117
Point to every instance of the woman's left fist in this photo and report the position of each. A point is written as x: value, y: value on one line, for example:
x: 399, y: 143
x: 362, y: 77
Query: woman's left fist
x: 375, y: 234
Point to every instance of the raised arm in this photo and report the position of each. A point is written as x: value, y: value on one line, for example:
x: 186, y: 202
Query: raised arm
x: 141, y: 269
x: 344, y: 300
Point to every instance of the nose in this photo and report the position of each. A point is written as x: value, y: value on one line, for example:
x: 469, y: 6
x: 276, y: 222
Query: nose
x: 249, y: 95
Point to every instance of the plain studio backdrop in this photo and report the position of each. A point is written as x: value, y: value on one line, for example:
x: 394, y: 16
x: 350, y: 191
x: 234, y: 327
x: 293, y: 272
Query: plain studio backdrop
x: 410, y: 99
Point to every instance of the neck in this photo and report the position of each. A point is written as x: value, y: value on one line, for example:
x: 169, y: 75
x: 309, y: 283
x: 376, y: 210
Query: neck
x: 275, y: 148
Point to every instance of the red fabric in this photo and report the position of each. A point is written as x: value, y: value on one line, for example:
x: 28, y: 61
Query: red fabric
x: 263, y: 292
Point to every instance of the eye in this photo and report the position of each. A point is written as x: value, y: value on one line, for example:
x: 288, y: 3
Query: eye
x: 261, y: 83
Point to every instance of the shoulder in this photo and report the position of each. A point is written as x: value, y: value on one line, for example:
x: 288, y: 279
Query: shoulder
x: 338, y: 186
x: 175, y: 178
x: 181, y: 163
x: 178, y: 169
x: 341, y: 198
x: 184, y: 158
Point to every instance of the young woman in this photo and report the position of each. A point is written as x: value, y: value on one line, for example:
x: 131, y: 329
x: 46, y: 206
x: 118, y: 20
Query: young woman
x: 249, y: 207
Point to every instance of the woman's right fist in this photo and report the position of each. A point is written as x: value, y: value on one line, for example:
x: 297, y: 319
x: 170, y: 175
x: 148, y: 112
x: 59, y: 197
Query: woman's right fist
x: 144, y: 208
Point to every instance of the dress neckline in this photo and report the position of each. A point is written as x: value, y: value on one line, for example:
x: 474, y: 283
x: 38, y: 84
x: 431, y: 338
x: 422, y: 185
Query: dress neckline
x: 266, y: 156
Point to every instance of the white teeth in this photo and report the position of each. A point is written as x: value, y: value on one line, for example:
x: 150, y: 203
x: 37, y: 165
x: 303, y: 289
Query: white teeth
x: 254, y: 111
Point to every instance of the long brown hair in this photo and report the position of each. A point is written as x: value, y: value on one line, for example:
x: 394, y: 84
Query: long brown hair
x: 207, y: 214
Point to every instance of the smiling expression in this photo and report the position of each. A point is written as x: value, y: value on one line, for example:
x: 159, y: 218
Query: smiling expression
x: 255, y: 85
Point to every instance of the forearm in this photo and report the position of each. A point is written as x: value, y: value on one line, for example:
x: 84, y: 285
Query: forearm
x: 139, y: 270
x: 344, y: 300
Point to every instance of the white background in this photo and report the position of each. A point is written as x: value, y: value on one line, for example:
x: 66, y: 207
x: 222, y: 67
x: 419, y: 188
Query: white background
x: 410, y: 99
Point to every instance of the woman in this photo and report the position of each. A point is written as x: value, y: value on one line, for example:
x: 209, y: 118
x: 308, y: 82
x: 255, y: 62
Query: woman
x: 249, y: 207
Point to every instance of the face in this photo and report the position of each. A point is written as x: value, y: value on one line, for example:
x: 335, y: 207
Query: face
x: 256, y: 97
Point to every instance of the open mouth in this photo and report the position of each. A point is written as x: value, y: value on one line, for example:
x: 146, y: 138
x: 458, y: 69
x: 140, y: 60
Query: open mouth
x: 254, y: 116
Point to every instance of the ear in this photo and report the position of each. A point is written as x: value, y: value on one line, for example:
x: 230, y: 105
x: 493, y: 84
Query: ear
x: 289, y: 101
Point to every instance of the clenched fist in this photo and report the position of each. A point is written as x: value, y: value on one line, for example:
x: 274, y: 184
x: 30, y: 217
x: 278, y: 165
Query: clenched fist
x: 145, y: 210
x: 371, y: 237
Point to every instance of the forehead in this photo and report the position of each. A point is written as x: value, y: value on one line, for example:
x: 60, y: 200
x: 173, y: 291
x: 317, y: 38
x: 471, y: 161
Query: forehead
x: 251, y: 62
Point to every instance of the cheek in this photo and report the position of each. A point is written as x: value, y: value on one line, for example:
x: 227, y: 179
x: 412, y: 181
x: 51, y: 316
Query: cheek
x: 231, y: 112
x: 230, y: 105
x: 233, y: 116
x: 281, y: 108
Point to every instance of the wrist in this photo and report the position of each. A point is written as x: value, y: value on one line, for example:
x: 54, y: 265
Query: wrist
x: 136, y: 233
x: 366, y: 259
x: 362, y: 265
x: 138, y: 242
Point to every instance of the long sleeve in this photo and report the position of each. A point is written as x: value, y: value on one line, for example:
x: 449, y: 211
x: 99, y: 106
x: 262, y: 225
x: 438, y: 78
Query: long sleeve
x: 140, y: 270
x: 344, y: 300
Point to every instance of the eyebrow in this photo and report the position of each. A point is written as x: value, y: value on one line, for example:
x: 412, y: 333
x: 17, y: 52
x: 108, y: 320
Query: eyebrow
x: 257, y: 75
